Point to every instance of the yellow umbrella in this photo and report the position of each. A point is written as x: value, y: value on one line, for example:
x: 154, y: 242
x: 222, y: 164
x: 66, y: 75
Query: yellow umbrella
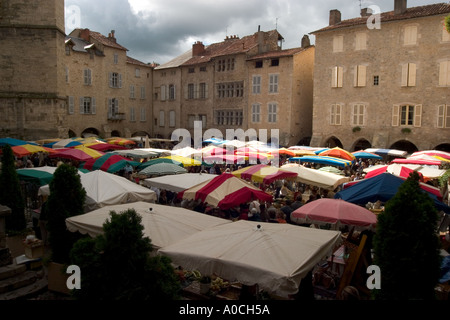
x: 184, y: 160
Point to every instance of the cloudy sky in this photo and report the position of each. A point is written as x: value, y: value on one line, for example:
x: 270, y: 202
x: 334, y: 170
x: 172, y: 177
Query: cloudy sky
x: 159, y: 30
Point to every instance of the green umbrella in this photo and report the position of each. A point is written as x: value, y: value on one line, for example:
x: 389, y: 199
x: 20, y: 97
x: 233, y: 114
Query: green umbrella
x: 161, y: 169
x: 331, y: 169
x: 148, y: 163
x: 38, y: 177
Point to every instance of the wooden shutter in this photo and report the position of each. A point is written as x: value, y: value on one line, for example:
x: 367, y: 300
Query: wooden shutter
x: 441, y: 116
x: 334, y: 77
x: 418, y: 115
x: 93, y: 106
x: 395, y: 115
x: 163, y: 93
x: 71, y: 105
x: 404, y: 75
x: 110, y: 79
x: 333, y: 114
x: 411, y: 74
x: 120, y: 80
x: 81, y: 105
x: 444, y: 73
x: 338, y: 114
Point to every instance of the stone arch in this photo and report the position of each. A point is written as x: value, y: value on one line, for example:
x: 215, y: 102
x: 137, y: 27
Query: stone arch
x: 143, y: 134
x: 443, y: 147
x: 332, y: 142
x: 305, y: 141
x: 90, y: 132
x: 404, y: 145
x: 361, y: 144
x: 115, y: 133
x: 71, y: 133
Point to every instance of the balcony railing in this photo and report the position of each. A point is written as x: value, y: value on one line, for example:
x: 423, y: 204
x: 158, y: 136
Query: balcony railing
x: 117, y: 116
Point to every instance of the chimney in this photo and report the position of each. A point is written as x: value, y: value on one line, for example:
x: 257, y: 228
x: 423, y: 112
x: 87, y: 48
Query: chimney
x: 198, y: 49
x: 365, y: 12
x: 400, y: 6
x: 85, y: 34
x: 305, y: 41
x: 335, y: 17
x: 111, y: 36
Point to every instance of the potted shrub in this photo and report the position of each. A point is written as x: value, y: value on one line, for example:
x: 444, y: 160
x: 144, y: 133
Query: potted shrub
x: 205, y: 284
x: 356, y: 129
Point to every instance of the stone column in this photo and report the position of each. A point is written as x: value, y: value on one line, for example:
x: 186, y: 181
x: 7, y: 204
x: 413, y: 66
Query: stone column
x: 5, y: 254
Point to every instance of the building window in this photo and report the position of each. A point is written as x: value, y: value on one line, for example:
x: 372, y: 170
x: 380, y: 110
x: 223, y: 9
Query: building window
x: 116, y: 58
x: 191, y: 120
x: 132, y: 93
x: 87, y: 76
x: 410, y: 35
x: 259, y: 64
x: 360, y: 76
x: 161, y: 118
x: 142, y: 93
x: 408, y: 75
x: 132, y: 114
x: 361, y: 41
x: 230, y: 90
x: 443, y: 116
x: 143, y: 114
x: 87, y: 105
x: 203, y: 69
x: 272, y: 113
x: 171, y: 92
x: 203, y: 91
x: 115, y: 80
x: 191, y: 91
x: 113, y: 109
x: 376, y: 80
x: 66, y: 69
x: 338, y: 43
x: 407, y: 115
x: 337, y: 76
x: 163, y: 92
x: 274, y: 62
x: 256, y: 84
x: 67, y: 50
x: 444, y: 73
x: 358, y: 114
x: 226, y: 64
x: 171, y: 118
x: 335, y: 114
x: 256, y: 113
x: 273, y: 83
x: 191, y: 70
x: 229, y: 117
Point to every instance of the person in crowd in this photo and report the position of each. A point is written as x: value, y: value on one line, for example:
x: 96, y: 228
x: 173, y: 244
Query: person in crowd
x: 253, y: 215
x: 280, y: 216
x: 263, y: 213
x: 287, y: 210
x: 297, y: 203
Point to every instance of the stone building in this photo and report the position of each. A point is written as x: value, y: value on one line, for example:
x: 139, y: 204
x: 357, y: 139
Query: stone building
x: 33, y: 103
x: 386, y: 87
x: 109, y: 93
x: 214, y: 84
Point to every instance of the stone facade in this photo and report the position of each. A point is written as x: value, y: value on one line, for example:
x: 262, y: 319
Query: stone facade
x: 387, y: 87
x: 32, y: 101
x: 214, y: 84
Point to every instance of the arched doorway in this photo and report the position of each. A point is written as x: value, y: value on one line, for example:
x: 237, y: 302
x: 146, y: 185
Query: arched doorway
x: 304, y: 141
x: 333, y: 142
x: 72, y: 134
x: 362, y: 144
x: 443, y: 147
x: 115, y: 133
x: 404, y: 145
x: 89, y: 132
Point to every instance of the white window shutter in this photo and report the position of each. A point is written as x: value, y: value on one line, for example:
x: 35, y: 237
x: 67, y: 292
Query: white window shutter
x: 333, y: 114
x: 110, y: 80
x: 81, y: 105
x: 71, y: 105
x: 418, y: 115
x: 444, y: 73
x: 411, y: 74
x: 441, y: 116
x: 338, y: 114
x: 340, y: 77
x: 93, y: 106
x: 120, y: 80
x: 110, y: 111
x: 395, y: 115
x: 334, y: 77
x: 361, y: 76
x: 404, y: 75
x: 163, y: 93
x: 447, y: 116
x: 355, y: 76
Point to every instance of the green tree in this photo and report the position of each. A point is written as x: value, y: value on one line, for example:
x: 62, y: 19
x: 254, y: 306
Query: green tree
x: 10, y: 192
x: 447, y: 23
x: 66, y: 199
x: 117, y: 265
x: 407, y: 246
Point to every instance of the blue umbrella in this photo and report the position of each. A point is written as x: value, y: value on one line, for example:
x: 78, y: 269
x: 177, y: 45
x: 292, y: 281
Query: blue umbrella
x: 366, y: 155
x: 323, y: 160
x: 14, y: 142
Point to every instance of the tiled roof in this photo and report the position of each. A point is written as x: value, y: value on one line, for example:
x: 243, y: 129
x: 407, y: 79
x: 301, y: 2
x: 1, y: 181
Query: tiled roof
x: 414, y: 12
x: 228, y: 47
x: 131, y: 60
x: 105, y: 41
x: 278, y: 54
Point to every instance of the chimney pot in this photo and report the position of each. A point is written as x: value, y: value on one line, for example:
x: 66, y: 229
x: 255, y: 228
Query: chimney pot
x: 335, y: 17
x: 365, y: 12
x: 85, y: 34
x: 305, y: 41
x: 198, y: 49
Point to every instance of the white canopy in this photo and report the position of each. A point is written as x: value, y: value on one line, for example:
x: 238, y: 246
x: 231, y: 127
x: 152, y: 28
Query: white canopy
x: 321, y: 179
x: 164, y: 225
x: 275, y: 256
x: 179, y: 182
x: 395, y: 168
x: 104, y: 188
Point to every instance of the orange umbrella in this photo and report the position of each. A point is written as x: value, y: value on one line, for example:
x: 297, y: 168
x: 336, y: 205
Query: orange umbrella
x: 338, y: 153
x: 120, y: 141
x: 27, y: 149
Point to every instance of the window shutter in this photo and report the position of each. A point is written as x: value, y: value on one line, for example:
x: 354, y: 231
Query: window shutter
x: 206, y: 90
x: 418, y: 115
x: 447, y: 116
x: 94, y: 106
x: 334, y: 77
x: 444, y: 73
x: 163, y: 93
x: 395, y: 115
x: 71, y: 105
x: 195, y: 91
x: 411, y: 74
x: 361, y: 76
x: 174, y: 92
x: 81, y: 105
x: 333, y: 114
x: 340, y: 77
x: 441, y: 116
x: 338, y: 114
x: 404, y: 75
x: 120, y: 80
x: 110, y: 80
x: 110, y: 111
x: 355, y: 115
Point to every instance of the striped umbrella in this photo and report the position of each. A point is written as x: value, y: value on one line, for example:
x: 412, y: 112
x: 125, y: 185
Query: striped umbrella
x: 109, y: 162
x: 28, y: 149
x: 338, y: 153
x: 263, y: 173
x: 120, y: 141
x: 323, y: 160
x: 79, y: 153
x: 14, y: 142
